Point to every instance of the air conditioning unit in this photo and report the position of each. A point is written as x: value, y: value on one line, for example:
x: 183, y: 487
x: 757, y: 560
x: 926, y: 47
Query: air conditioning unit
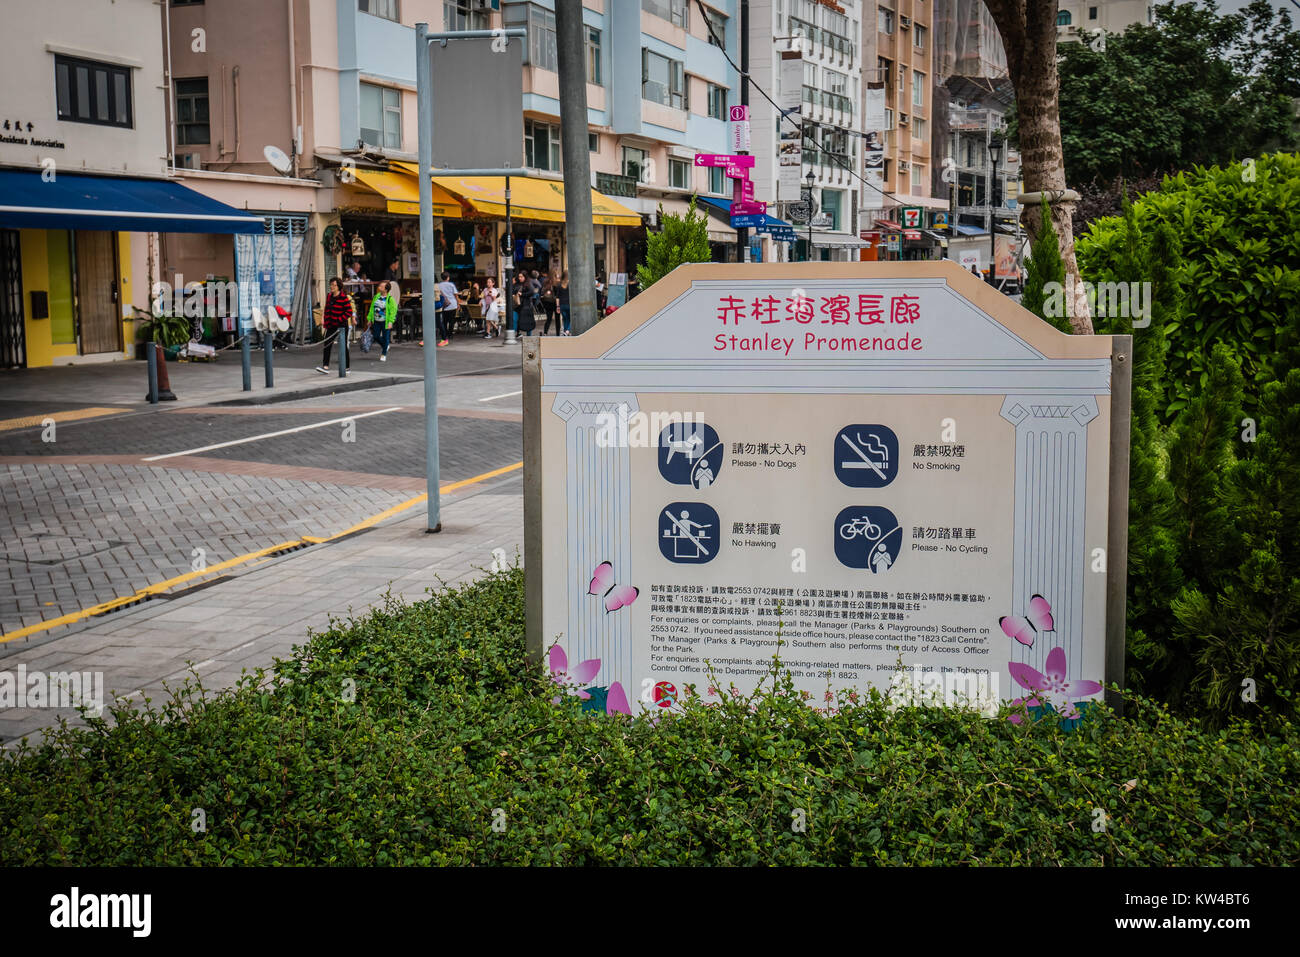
x: 485, y: 4
x: 904, y: 166
x: 905, y: 23
x: 189, y: 160
x: 902, y: 119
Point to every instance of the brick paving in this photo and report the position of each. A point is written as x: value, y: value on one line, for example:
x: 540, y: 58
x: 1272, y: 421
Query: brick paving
x: 249, y: 620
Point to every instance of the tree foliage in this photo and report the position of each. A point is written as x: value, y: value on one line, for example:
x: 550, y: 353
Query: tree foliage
x: 1193, y: 88
x: 1045, y: 266
x: 681, y: 239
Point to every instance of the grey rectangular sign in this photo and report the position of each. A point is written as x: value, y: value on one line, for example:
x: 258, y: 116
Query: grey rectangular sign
x: 477, y: 102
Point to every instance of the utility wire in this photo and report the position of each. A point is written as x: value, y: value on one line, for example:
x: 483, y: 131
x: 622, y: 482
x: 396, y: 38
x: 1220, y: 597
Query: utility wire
x: 784, y: 116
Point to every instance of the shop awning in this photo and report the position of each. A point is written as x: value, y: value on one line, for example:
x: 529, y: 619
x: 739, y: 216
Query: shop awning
x: 68, y: 201
x: 536, y: 199
x: 779, y: 229
x: 891, y: 226
x: 402, y: 190
x: 970, y: 231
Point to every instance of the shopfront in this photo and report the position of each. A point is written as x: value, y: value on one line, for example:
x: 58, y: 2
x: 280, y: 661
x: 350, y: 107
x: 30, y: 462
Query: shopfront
x: 67, y: 286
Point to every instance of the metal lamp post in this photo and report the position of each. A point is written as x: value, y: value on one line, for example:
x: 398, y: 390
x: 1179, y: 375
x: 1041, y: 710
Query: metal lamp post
x: 811, y: 206
x: 995, y: 153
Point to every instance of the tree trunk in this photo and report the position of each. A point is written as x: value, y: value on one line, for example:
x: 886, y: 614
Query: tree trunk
x: 1028, y: 29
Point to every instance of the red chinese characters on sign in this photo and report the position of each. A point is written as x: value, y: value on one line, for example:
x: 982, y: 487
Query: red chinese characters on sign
x: 869, y: 310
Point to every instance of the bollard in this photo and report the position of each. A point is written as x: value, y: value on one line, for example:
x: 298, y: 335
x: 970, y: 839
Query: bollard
x: 343, y: 351
x: 151, y: 354
x: 246, y: 358
x: 268, y: 348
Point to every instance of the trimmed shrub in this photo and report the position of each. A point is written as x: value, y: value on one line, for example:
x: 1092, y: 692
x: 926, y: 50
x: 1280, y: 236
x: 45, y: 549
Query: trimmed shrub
x: 451, y: 752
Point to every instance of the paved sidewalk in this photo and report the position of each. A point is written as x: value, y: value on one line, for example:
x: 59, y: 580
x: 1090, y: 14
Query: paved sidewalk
x: 248, y: 621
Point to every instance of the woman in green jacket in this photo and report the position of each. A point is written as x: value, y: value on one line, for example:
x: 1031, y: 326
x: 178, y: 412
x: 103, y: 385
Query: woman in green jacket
x: 383, y: 313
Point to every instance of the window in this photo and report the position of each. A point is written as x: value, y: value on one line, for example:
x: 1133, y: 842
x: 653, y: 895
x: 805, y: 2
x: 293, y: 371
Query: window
x: 192, y: 112
x: 718, y: 33
x: 832, y: 200
x: 663, y: 80
x: 889, y: 119
x: 918, y: 37
x: 884, y: 20
x: 541, y: 145
x: 540, y: 24
x: 918, y: 176
x: 837, y: 83
x: 717, y: 101
x: 593, y: 142
x: 717, y: 180
x: 381, y: 116
x: 1092, y: 13
x: 458, y: 15
x: 91, y: 92
x: 886, y: 69
x: 383, y: 8
x: 593, y: 57
x: 635, y: 164
x: 676, y: 12
x: 186, y: 3
x: 918, y: 88
x: 919, y: 128
x: 679, y: 174
x: 1063, y: 18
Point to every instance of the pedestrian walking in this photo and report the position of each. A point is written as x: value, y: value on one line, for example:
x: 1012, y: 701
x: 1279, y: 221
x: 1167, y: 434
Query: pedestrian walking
x: 383, y: 313
x: 448, y: 307
x: 550, y: 306
x: 562, y: 299
x: 339, y: 316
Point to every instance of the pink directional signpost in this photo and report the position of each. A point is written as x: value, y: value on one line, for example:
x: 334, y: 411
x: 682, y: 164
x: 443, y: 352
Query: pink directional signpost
x: 743, y: 205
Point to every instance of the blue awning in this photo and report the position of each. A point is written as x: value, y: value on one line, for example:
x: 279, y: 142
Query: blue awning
x: 770, y: 223
x: 68, y: 201
x: 971, y: 231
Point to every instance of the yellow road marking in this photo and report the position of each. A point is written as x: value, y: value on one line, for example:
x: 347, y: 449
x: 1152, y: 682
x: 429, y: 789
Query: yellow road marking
x: 69, y: 415
x: 160, y: 587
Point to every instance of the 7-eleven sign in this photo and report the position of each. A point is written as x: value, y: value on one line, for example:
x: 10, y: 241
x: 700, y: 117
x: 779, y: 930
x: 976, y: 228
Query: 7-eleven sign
x: 912, y: 217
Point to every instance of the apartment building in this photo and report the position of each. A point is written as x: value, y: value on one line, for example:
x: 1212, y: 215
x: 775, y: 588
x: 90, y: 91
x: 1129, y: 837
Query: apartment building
x: 898, y: 40
x: 824, y: 37
x: 330, y: 86
x: 84, y: 190
x: 1081, y: 19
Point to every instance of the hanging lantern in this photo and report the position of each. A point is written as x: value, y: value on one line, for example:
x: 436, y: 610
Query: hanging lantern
x: 528, y: 249
x: 358, y: 245
x: 459, y: 246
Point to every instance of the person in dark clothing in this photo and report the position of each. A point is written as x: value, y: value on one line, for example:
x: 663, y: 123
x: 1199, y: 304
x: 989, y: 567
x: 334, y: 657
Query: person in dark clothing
x: 340, y: 313
x: 562, y: 302
x: 550, y: 306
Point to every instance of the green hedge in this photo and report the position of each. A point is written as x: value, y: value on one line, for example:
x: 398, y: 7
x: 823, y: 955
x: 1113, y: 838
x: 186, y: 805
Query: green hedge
x: 449, y: 724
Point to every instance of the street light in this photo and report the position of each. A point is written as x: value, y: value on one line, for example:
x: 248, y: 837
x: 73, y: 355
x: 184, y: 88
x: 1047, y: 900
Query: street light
x: 995, y: 153
x: 811, y: 206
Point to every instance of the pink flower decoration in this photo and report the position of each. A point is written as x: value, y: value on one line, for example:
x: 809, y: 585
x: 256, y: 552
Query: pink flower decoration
x: 1053, y: 684
x: 616, y: 702
x: 582, y: 674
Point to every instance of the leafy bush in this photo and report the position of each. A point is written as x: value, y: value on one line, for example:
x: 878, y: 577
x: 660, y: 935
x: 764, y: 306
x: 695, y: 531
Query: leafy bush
x: 682, y: 239
x: 1045, y: 266
x: 452, y: 731
x: 1239, y: 267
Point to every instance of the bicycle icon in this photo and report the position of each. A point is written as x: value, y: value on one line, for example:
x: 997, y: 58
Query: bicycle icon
x: 867, y: 537
x: 860, y: 526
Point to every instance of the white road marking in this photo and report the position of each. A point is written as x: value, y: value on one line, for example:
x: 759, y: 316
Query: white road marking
x: 271, y: 435
x: 503, y: 395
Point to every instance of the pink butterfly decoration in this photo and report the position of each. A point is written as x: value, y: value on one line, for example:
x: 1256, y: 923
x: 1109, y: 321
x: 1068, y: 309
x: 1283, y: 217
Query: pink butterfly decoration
x: 1038, y: 617
x: 616, y: 596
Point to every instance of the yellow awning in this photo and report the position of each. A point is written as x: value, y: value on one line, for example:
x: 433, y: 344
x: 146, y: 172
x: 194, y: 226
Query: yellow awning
x: 537, y: 199
x: 403, y: 193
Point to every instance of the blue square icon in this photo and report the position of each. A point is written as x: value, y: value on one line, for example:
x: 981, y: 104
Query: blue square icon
x: 689, y: 533
x: 866, y: 456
